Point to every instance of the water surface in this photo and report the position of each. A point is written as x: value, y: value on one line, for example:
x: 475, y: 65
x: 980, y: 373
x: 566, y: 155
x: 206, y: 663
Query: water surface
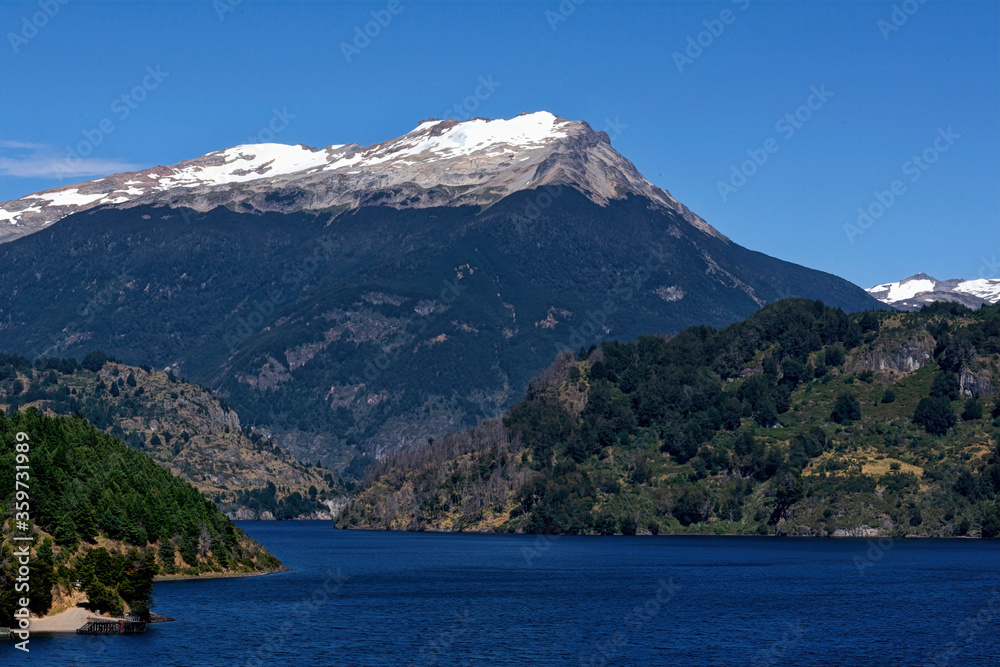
x: 372, y: 599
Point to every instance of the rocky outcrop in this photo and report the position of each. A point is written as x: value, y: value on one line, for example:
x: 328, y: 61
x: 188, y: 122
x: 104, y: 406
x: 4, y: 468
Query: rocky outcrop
x: 334, y: 508
x: 975, y: 385
x: 906, y: 358
x: 863, y: 530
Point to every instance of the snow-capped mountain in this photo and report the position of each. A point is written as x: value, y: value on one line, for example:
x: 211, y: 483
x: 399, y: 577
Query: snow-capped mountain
x: 439, y: 163
x: 918, y: 290
x: 356, y: 300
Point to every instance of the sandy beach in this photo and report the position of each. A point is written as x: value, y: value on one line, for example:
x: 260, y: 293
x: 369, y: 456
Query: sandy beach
x: 65, y: 621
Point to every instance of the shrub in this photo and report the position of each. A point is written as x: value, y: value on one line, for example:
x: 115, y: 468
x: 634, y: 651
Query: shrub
x: 94, y: 361
x: 104, y: 599
x: 899, y: 483
x: 690, y: 507
x: 946, y: 384
x: 935, y: 415
x: 846, y: 410
x: 991, y: 523
x: 605, y: 525
x: 973, y: 410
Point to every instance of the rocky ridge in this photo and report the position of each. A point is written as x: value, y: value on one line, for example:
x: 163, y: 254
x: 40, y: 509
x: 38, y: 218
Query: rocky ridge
x: 439, y: 163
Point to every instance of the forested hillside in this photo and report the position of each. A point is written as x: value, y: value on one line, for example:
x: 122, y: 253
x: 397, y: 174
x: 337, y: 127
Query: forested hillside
x: 800, y: 420
x: 109, y: 517
x: 323, y: 325
x: 184, y: 426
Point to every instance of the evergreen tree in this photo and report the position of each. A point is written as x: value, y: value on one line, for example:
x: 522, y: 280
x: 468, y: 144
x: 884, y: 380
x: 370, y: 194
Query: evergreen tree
x: 847, y: 409
x: 973, y: 410
x: 935, y: 415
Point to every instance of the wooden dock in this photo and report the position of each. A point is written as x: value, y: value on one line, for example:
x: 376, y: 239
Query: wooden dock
x: 125, y: 625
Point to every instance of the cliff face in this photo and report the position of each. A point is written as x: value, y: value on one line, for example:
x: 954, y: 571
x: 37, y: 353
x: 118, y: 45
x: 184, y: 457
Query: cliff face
x: 905, y: 357
x: 976, y: 385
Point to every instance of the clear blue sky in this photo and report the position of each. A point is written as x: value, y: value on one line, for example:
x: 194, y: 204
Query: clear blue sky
x: 606, y: 62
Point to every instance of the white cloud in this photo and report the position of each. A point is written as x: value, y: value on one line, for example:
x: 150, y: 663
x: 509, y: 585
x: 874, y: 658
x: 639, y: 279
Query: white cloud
x: 4, y: 143
x: 29, y: 160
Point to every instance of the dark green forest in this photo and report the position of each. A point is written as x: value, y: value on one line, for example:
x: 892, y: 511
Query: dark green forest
x: 322, y: 325
x: 108, y: 517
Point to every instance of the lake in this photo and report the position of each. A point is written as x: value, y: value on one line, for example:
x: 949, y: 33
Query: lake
x: 373, y: 599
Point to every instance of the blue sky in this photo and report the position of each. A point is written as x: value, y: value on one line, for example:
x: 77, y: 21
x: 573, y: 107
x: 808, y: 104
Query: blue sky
x: 868, y: 88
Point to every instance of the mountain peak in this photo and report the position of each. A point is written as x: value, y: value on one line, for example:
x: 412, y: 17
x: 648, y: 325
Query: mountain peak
x: 918, y: 276
x: 439, y: 163
x: 920, y: 289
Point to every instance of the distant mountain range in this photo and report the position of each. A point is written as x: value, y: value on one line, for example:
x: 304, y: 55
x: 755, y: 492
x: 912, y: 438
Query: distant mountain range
x: 352, y: 300
x: 918, y: 290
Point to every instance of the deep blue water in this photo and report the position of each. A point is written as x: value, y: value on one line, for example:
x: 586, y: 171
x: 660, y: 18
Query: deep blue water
x: 373, y: 599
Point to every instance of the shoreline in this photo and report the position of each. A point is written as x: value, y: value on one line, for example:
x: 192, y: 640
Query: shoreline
x: 68, y: 620
x: 74, y: 618
x: 788, y: 535
x: 216, y: 575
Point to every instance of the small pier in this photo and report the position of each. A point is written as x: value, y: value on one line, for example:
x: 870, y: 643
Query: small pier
x: 124, y: 625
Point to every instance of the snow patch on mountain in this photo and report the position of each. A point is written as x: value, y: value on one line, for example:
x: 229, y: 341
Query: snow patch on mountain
x: 916, y: 291
x: 438, y: 163
x: 984, y: 288
x: 905, y: 289
x: 520, y: 133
